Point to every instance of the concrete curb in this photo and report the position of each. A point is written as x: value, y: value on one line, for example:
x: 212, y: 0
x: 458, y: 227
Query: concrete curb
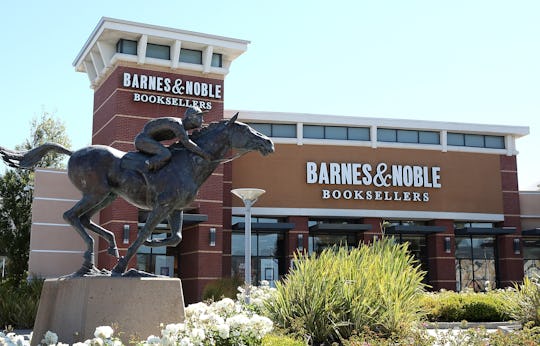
x: 507, y: 325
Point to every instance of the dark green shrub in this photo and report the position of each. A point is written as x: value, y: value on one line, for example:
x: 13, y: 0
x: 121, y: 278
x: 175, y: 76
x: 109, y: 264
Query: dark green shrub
x: 19, y: 303
x: 329, y: 297
x: 222, y: 288
x: 450, y: 306
x: 483, y: 310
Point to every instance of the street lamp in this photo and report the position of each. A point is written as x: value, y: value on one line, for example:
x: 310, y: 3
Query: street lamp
x: 249, y: 196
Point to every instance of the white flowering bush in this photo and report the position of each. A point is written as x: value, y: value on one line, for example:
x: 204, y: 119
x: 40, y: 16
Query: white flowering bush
x: 103, y: 336
x: 12, y: 339
x: 220, y: 323
x: 258, y: 296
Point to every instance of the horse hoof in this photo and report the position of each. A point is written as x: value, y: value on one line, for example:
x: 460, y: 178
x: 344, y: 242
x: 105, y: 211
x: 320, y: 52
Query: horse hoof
x: 113, y: 251
x: 115, y: 273
x: 120, y: 267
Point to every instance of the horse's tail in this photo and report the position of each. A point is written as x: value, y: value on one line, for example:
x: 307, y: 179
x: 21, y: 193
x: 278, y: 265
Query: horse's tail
x: 30, y: 158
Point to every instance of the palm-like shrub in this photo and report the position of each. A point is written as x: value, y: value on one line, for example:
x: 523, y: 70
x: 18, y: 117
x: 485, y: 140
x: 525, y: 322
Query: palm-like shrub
x: 524, y: 304
x: 340, y: 292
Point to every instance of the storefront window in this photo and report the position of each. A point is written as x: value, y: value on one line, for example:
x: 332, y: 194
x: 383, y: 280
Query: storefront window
x: 267, y: 256
x: 417, y: 247
x: 531, y: 256
x: 475, y: 263
x: 155, y: 260
x: 320, y: 241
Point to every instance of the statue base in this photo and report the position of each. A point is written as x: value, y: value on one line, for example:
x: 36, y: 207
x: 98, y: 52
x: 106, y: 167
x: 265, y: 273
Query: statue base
x: 134, y: 307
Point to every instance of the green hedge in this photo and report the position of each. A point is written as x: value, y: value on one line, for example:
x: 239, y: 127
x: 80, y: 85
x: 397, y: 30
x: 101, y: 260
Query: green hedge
x: 448, y: 306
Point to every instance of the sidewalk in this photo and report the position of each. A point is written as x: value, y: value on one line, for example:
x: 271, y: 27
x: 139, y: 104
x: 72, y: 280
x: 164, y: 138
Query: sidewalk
x: 505, y: 326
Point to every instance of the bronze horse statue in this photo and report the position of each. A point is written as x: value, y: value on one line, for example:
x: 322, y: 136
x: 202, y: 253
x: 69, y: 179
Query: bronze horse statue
x: 103, y: 173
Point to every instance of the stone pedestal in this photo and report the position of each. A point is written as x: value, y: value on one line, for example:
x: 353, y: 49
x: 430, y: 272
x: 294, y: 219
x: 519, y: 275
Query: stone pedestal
x: 134, y: 307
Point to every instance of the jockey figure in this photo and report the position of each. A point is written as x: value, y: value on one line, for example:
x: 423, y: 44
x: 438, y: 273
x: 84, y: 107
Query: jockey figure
x: 167, y: 128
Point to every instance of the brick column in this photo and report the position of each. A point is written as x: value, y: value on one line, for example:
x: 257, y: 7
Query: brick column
x: 117, y: 120
x: 442, y: 264
x: 200, y: 263
x: 226, y: 264
x: 291, y: 241
x: 509, y: 264
x: 367, y: 236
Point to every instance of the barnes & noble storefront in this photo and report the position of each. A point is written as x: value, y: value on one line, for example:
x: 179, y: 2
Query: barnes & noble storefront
x: 448, y: 189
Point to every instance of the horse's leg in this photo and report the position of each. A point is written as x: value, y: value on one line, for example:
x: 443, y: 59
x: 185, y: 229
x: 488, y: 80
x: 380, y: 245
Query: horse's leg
x: 159, y: 213
x: 104, y: 233
x: 72, y: 216
x: 175, y: 223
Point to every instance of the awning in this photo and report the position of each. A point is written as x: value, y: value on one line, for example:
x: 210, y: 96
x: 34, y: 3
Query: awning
x: 413, y: 229
x: 340, y: 227
x: 531, y: 232
x: 265, y: 226
x: 188, y: 220
x: 485, y: 231
x: 193, y: 219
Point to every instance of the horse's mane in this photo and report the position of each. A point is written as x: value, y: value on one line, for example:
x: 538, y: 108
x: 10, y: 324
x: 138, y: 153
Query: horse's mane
x: 201, y: 133
x: 204, y: 130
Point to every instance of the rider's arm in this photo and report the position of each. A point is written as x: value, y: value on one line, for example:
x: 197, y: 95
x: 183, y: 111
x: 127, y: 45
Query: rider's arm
x: 190, y: 145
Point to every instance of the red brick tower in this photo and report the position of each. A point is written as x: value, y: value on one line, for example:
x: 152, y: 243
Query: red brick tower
x: 139, y: 72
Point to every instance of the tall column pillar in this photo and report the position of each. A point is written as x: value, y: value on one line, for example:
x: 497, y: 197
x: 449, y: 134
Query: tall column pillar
x: 441, y: 256
x: 509, y: 259
x: 297, y: 238
x: 375, y: 231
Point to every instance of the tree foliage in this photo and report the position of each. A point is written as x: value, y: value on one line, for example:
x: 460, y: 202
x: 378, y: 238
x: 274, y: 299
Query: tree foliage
x: 15, y: 221
x: 47, y: 128
x: 16, y: 193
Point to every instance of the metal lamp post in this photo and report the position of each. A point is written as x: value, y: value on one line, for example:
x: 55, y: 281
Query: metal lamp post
x: 249, y: 196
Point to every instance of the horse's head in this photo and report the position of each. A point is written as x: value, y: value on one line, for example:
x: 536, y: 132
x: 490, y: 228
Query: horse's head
x: 245, y: 138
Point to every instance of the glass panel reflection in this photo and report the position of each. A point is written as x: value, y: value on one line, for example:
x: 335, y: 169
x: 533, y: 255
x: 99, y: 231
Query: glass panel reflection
x: 267, y: 256
x: 155, y: 260
x: 475, y: 263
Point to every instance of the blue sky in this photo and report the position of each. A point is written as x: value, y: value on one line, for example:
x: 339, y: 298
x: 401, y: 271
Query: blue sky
x: 462, y: 61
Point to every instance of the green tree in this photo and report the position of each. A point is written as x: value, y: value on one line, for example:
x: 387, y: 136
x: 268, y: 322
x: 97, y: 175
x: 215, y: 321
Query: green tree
x: 15, y: 221
x: 47, y: 128
x: 16, y: 193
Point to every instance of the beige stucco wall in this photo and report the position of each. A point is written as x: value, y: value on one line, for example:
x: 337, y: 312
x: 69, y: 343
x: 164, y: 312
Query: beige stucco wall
x: 530, y: 209
x: 55, y: 248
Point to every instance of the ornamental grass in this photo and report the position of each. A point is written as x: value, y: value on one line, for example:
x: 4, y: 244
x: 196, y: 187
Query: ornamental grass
x: 523, y: 303
x: 340, y: 292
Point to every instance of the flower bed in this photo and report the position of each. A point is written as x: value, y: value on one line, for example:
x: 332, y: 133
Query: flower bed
x: 224, y: 322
